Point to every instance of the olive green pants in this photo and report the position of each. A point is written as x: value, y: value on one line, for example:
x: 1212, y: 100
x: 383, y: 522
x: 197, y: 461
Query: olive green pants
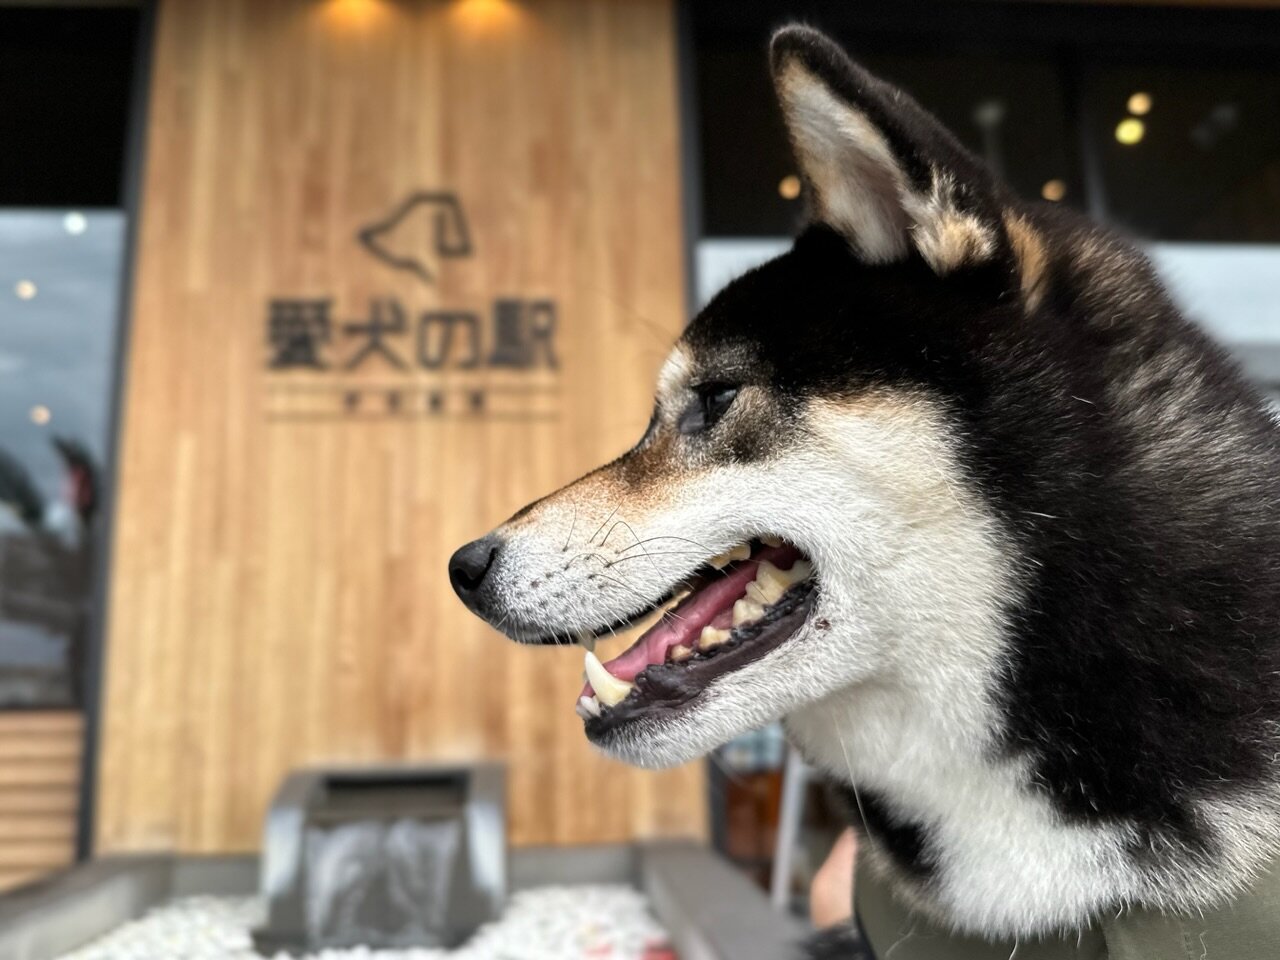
x: 1248, y: 928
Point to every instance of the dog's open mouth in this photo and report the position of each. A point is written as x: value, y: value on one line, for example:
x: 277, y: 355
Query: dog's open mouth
x: 741, y: 605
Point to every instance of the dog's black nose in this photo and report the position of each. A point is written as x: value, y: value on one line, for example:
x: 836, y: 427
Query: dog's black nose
x: 470, y: 564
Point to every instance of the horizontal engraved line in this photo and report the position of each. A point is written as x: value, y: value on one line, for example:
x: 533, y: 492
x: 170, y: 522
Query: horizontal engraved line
x: 319, y: 415
x: 403, y: 386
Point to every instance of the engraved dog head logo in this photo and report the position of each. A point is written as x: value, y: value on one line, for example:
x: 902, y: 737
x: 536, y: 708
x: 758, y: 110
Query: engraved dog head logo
x: 423, y: 229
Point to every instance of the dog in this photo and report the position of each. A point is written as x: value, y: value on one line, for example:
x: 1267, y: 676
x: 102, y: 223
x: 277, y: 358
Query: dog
x: 953, y: 490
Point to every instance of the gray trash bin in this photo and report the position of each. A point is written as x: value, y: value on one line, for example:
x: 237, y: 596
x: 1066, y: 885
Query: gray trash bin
x: 386, y: 857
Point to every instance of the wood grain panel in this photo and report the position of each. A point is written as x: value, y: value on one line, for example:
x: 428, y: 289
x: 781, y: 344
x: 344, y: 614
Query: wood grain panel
x: 278, y: 586
x: 47, y: 799
x: 39, y: 787
x: 37, y: 825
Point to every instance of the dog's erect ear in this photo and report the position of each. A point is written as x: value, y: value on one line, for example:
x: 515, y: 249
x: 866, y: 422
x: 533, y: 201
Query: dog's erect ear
x: 880, y: 170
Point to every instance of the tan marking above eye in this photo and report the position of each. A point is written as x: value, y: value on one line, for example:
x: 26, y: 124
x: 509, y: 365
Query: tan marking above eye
x: 675, y: 373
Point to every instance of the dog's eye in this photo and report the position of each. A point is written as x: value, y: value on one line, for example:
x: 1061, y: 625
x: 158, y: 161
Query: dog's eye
x: 711, y: 402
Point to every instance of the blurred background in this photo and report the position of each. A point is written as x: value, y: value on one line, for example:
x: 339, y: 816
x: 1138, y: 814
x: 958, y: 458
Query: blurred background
x: 296, y: 296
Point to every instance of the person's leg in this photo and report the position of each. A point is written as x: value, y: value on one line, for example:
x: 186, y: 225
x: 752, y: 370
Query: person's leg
x: 831, y: 893
x: 831, y: 906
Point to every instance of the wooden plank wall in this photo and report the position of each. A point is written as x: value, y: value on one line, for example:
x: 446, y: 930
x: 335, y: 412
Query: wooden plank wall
x: 39, y: 792
x: 278, y: 592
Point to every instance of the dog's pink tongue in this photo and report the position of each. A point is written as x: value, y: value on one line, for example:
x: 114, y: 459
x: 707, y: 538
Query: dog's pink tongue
x: 710, y: 605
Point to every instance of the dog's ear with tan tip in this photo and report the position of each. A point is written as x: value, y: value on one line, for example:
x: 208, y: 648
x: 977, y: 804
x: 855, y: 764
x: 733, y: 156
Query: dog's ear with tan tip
x: 880, y: 169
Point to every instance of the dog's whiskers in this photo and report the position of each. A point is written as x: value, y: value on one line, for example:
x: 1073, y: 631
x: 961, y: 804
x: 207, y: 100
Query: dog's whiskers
x: 857, y: 797
x: 627, y: 586
x: 573, y: 526
x: 640, y: 543
x: 662, y: 553
x: 603, y: 525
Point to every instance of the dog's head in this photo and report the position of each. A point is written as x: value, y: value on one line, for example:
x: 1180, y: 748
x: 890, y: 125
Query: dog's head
x: 802, y: 492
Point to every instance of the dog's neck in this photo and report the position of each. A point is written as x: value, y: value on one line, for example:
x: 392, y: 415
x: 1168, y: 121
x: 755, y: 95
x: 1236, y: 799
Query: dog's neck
x: 961, y: 833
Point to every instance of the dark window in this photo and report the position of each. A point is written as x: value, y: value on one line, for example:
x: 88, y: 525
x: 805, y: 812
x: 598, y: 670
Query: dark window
x: 65, y: 76
x: 1206, y: 165
x: 1039, y: 90
x: 64, y: 79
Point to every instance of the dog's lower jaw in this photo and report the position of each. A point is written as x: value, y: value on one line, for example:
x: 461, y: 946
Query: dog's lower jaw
x: 744, y: 699
x: 652, y: 743
x: 668, y: 738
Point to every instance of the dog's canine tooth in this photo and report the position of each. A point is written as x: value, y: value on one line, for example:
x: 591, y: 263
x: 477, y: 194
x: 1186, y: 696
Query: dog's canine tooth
x: 588, y: 707
x: 587, y: 640
x: 712, y: 638
x: 610, y: 691
x: 770, y: 541
x: 744, y: 611
x: 681, y: 653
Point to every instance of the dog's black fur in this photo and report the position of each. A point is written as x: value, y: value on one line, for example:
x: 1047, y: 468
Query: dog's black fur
x: 1041, y: 509
x: 1144, y: 667
x: 1154, y: 589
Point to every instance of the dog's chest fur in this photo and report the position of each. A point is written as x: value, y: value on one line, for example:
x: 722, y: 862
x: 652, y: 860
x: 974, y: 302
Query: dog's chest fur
x: 958, y: 832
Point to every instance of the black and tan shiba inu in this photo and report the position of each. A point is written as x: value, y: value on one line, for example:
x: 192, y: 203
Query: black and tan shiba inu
x: 957, y: 494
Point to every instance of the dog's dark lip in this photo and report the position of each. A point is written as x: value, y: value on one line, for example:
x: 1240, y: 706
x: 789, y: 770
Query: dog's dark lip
x: 668, y: 688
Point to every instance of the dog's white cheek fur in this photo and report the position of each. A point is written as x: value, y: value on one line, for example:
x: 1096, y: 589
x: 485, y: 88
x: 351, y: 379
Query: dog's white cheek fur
x: 893, y: 694
x: 906, y: 562
x: 888, y: 685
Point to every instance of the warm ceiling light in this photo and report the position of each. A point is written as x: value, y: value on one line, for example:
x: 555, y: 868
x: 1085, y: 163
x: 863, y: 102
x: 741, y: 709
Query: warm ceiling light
x: 1130, y: 130
x: 353, y: 13
x: 485, y: 16
x: 789, y: 187
x: 1140, y: 104
x: 40, y: 414
x: 25, y: 290
x: 75, y: 223
x: 1054, y: 190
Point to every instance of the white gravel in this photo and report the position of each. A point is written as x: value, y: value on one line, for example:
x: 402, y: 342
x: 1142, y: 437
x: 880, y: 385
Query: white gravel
x: 545, y: 923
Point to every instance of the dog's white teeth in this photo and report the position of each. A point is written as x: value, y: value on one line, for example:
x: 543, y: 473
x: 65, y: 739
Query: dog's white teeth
x: 744, y: 611
x: 609, y: 689
x: 775, y: 582
x: 588, y: 707
x: 741, y: 552
x: 767, y: 589
x: 587, y: 640
x: 771, y: 541
x: 800, y: 570
x: 711, y: 638
x: 680, y: 653
x: 770, y: 584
